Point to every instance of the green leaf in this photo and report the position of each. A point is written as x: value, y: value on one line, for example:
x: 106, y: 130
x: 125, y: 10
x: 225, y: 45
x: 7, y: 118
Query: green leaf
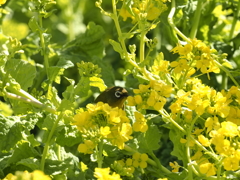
x: 53, y: 96
x: 83, y: 87
x: 48, y: 124
x: 69, y: 136
x: 34, y: 26
x: 179, y: 148
x: 22, y: 71
x: 11, y: 132
x: 54, y: 74
x: 117, y: 47
x: 31, y: 163
x: 22, y: 150
x: 150, y: 140
x: 87, y: 45
x: 69, y: 92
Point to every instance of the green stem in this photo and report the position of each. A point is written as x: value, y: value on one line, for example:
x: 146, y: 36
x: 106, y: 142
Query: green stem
x: 70, y: 22
x: 228, y: 73
x: 114, y: 16
x: 234, y: 23
x: 191, y: 167
x: 142, y: 45
x: 196, y: 19
x: 100, y: 154
x: 37, y: 104
x: 170, y: 21
x: 167, y: 116
x: 47, y: 144
x: 43, y: 45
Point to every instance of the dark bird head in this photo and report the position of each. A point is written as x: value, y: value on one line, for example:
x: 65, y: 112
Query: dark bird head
x: 114, y: 96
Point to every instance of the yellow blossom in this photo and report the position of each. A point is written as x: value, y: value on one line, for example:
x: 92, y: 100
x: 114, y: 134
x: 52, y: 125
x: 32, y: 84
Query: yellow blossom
x: 138, y: 99
x: 180, y: 65
x: 174, y: 166
x: 139, y: 160
x: 104, y: 131
x: 203, y: 140
x: 131, y: 101
x: 35, y: 175
x: 229, y: 129
x: 140, y: 123
x: 104, y: 174
x: 87, y: 147
x: 2, y: 2
x: 208, y: 169
x: 212, y: 123
x: 234, y: 115
x: 125, y: 14
x: 231, y: 163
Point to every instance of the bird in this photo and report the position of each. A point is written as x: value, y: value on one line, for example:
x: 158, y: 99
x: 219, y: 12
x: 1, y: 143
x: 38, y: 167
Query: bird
x: 114, y: 96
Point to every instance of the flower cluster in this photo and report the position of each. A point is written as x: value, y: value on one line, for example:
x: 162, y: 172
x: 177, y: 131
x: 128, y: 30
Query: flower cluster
x: 151, y: 96
x: 127, y: 167
x: 220, y: 132
x: 124, y: 167
x: 197, y: 56
x: 36, y: 175
x: 100, y: 122
x: 200, y: 99
x: 144, y: 9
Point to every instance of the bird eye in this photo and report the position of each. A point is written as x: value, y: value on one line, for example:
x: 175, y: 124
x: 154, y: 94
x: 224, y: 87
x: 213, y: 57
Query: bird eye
x: 117, y: 94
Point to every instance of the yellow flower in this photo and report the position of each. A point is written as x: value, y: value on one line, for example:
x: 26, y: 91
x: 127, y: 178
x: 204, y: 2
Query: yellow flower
x: 35, y: 175
x: 231, y: 163
x: 153, y: 13
x: 229, y: 129
x: 87, y: 147
x: 139, y: 160
x: 2, y: 2
x: 104, y: 174
x: 180, y: 65
x: 104, y: 131
x: 138, y: 99
x: 140, y: 123
x: 212, y: 123
x: 198, y: 104
x: 234, y: 115
x: 174, y: 166
x: 131, y: 101
x: 125, y: 14
x: 203, y: 140
x: 208, y: 169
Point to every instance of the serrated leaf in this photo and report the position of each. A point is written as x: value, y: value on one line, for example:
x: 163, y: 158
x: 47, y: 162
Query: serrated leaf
x: 117, y: 47
x: 22, y: 71
x: 31, y: 163
x: 179, y: 148
x: 53, y: 96
x: 54, y: 73
x: 33, y: 24
x: 22, y: 150
x: 97, y: 82
x: 69, y: 93
x: 69, y: 136
x: 10, y: 132
x: 88, y: 44
x: 65, y: 63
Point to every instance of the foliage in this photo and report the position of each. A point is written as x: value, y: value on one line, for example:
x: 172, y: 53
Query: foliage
x: 179, y: 60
